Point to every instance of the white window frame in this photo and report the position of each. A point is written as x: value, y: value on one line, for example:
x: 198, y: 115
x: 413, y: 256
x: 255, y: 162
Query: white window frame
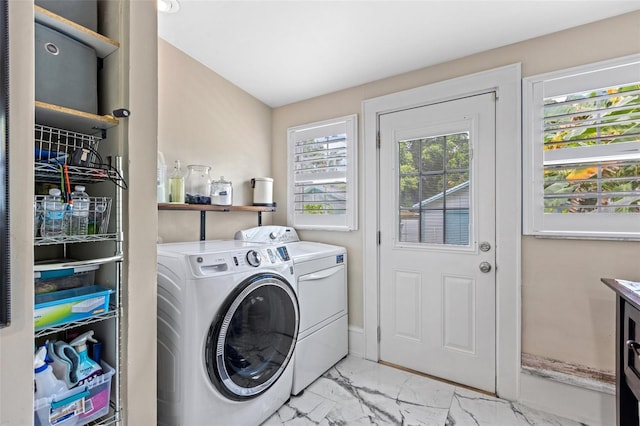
x: 340, y: 222
x: 535, y: 89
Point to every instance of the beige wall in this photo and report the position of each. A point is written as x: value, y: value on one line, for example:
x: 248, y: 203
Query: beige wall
x: 578, y: 327
x: 204, y: 119
x: 140, y: 212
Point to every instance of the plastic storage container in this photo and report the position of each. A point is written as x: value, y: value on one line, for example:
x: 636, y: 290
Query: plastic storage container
x: 83, y: 12
x: 77, y: 406
x: 65, y: 306
x: 66, y: 71
x: 57, y: 279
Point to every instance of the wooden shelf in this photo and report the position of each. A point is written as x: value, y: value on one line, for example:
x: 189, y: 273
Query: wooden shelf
x: 204, y: 208
x: 212, y: 208
x: 103, y: 46
x: 71, y: 119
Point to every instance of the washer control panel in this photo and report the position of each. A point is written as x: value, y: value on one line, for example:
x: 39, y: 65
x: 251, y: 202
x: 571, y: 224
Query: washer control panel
x: 253, y: 258
x: 207, y: 264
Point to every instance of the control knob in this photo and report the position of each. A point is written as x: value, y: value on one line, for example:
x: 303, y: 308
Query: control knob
x: 253, y: 258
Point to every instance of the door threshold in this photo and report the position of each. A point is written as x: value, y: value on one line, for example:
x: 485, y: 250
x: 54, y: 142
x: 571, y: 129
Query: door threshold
x: 439, y: 379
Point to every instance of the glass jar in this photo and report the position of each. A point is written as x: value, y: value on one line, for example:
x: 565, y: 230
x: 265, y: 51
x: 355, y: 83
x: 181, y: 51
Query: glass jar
x: 221, y: 192
x: 198, y: 184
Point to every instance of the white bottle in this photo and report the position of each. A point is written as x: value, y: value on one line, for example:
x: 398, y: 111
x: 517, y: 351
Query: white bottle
x: 176, y: 184
x: 161, y: 180
x: 79, y: 219
x: 47, y: 384
x: 53, y: 217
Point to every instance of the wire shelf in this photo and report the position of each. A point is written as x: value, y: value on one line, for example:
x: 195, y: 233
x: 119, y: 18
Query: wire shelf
x: 45, y: 172
x: 114, y: 417
x: 44, y: 241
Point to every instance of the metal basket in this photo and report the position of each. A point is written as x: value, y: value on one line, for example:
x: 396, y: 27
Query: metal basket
x: 58, y: 146
x: 99, y: 212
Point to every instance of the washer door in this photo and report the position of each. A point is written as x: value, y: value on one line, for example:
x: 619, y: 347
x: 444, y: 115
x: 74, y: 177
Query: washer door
x: 251, y: 341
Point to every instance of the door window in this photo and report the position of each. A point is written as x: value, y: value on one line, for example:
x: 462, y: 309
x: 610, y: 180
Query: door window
x: 434, y: 202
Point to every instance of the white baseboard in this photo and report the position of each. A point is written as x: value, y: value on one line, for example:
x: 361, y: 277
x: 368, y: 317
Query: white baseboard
x: 356, y: 341
x: 588, y: 406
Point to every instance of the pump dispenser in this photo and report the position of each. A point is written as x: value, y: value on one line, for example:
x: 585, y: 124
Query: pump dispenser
x: 86, y: 367
x: 47, y: 384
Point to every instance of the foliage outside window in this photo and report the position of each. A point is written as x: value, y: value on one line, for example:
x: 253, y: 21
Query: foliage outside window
x: 322, y: 175
x: 583, y: 143
x: 434, y: 189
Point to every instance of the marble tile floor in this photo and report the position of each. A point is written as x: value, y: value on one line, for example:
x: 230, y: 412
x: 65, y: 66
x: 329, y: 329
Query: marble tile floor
x: 361, y: 392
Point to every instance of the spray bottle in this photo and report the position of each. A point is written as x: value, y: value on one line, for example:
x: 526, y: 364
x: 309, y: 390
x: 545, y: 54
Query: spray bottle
x: 47, y: 384
x: 87, y: 367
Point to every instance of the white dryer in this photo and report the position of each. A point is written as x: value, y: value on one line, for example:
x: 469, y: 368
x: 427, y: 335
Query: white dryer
x: 228, y: 322
x: 321, y: 276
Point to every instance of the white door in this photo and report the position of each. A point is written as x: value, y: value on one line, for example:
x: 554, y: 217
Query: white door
x: 437, y: 234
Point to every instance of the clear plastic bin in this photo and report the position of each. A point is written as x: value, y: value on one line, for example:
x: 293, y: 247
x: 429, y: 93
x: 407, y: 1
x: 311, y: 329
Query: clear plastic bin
x: 56, y: 279
x: 78, y: 406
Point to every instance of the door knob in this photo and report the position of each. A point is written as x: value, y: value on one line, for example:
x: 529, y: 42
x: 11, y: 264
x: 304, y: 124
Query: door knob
x: 485, y: 267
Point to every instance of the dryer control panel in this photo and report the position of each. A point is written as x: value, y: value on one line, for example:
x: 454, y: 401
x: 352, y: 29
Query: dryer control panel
x: 268, y: 234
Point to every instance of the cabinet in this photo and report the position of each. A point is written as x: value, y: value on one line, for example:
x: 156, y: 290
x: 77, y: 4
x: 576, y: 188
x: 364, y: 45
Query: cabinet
x: 68, y: 152
x: 627, y: 352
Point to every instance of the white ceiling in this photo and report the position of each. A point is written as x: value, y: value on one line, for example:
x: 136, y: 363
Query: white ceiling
x: 286, y: 51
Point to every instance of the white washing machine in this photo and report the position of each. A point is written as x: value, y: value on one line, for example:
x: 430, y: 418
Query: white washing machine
x: 321, y: 276
x: 228, y: 322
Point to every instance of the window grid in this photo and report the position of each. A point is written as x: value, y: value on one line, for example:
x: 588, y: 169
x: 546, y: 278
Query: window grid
x: 448, y: 214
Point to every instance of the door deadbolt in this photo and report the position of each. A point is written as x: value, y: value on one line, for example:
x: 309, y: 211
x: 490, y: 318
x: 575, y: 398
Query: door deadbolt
x: 485, y: 267
x: 485, y: 246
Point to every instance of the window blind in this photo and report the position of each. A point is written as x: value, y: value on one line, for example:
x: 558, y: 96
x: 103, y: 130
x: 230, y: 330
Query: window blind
x: 322, y: 175
x: 592, y: 151
x: 581, y: 151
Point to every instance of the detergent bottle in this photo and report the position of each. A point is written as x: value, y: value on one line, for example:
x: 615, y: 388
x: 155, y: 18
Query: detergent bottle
x: 47, y: 384
x: 87, y: 367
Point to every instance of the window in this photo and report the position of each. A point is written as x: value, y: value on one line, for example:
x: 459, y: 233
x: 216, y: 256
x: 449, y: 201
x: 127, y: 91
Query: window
x: 322, y: 175
x: 582, y: 151
x: 434, y: 189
